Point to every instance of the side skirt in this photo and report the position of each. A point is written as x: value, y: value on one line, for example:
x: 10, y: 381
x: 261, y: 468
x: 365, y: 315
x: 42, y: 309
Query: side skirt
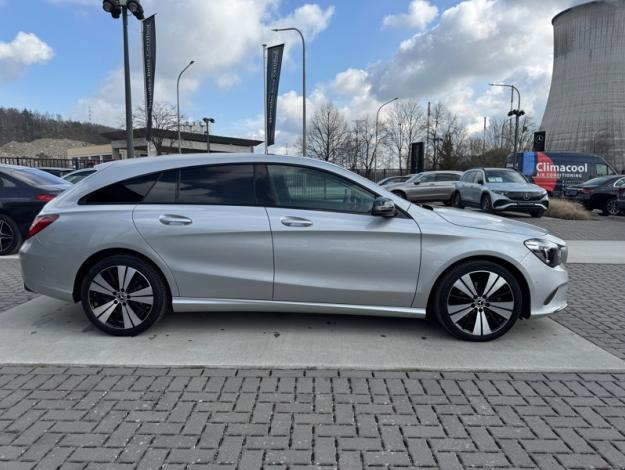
x: 183, y: 304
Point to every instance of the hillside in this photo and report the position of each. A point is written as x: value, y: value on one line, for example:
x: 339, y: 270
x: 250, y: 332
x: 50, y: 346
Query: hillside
x: 27, y: 126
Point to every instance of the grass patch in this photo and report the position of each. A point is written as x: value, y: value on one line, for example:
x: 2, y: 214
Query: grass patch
x: 569, y: 210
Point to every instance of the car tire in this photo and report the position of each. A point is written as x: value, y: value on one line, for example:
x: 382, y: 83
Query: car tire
x: 457, y: 200
x: 486, y: 204
x: 401, y: 194
x: 124, y: 295
x: 537, y: 214
x: 10, y: 236
x: 610, y: 207
x: 467, y: 306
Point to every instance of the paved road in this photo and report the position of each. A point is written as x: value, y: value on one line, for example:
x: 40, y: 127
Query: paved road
x: 12, y: 291
x: 193, y: 418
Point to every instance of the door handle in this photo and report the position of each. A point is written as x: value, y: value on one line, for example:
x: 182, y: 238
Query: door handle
x: 296, y: 222
x: 171, y: 219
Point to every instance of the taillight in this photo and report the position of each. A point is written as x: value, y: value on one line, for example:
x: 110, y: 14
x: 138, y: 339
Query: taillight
x: 586, y: 190
x: 41, y: 222
x: 45, y: 197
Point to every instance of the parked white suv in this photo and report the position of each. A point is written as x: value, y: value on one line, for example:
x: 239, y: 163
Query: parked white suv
x: 500, y: 189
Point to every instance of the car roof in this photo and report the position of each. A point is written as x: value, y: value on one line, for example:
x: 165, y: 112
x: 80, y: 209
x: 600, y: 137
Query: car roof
x: 120, y: 170
x: 64, y: 168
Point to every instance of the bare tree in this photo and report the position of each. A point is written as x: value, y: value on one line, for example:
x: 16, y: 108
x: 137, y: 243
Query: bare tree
x: 164, y: 118
x: 405, y: 125
x: 327, y: 134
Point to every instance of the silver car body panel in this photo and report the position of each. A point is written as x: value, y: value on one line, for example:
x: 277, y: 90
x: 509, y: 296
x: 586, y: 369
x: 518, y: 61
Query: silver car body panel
x: 342, y: 263
x: 427, y: 189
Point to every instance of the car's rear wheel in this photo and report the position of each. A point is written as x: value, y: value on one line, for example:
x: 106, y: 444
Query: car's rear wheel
x: 610, y: 207
x: 124, y: 295
x: 478, y: 301
x: 486, y: 204
x: 10, y: 237
x: 457, y: 200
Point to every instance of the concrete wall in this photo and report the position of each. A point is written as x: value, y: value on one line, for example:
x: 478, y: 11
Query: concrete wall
x: 586, y: 107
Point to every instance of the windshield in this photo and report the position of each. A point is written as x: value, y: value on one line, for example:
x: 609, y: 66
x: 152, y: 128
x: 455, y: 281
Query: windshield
x: 78, y: 176
x: 35, y: 177
x: 504, y: 176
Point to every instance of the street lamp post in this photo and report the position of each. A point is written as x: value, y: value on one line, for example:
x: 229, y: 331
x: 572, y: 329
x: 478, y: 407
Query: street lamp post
x: 436, y: 141
x: 375, y: 147
x: 118, y: 8
x: 303, y: 84
x: 513, y: 112
x: 208, y: 122
x: 178, y: 103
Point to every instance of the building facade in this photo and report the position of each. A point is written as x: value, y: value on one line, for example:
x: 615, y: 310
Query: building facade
x: 586, y: 107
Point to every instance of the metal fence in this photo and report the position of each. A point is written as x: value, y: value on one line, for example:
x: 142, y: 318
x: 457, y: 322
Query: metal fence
x: 74, y: 163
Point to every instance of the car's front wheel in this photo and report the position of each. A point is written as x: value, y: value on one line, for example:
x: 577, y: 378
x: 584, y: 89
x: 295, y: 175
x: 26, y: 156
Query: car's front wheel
x: 10, y: 237
x: 610, y: 207
x: 486, y: 204
x: 457, y: 200
x: 478, y: 301
x: 401, y: 194
x: 124, y: 295
x: 537, y: 214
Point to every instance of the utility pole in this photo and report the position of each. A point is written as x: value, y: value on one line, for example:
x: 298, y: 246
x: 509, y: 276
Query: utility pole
x: 427, y: 133
x: 484, y: 138
x: 265, y: 91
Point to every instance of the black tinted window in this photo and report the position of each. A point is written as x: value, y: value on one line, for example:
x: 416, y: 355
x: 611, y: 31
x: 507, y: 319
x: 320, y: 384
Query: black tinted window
x: 217, y: 184
x: 447, y: 177
x: 164, y: 190
x: 130, y: 191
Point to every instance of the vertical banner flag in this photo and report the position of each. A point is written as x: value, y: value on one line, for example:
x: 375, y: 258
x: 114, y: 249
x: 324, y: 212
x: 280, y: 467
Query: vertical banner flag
x: 274, y: 64
x: 149, y: 66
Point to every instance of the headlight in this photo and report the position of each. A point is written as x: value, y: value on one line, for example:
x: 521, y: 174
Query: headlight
x: 547, y: 251
x: 502, y: 193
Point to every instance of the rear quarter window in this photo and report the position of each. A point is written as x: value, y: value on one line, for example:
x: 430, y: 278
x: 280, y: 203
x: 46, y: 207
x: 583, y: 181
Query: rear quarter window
x: 130, y: 191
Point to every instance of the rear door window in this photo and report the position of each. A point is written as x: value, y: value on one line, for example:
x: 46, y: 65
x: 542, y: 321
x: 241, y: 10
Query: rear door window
x: 447, y: 177
x: 164, y: 189
x: 231, y: 185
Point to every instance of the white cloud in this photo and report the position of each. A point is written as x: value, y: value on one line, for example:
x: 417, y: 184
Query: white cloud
x: 420, y: 15
x: 311, y: 19
x: 352, y: 82
x: 24, y: 50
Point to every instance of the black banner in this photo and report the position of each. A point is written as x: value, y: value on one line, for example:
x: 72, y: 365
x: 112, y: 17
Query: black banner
x: 274, y: 64
x: 149, y: 68
x: 417, y: 157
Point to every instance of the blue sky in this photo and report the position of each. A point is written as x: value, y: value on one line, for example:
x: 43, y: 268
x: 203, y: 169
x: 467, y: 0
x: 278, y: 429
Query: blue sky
x: 430, y: 50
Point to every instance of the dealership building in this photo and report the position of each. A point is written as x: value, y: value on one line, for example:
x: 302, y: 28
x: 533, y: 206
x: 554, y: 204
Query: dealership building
x: 164, y: 142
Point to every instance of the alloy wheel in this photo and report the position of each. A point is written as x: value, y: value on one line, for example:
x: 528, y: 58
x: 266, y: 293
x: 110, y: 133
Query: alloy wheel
x: 612, y: 207
x: 7, y: 236
x: 121, y: 297
x: 480, y: 303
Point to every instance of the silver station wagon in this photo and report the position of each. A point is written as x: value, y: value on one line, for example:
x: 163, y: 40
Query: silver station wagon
x: 248, y: 232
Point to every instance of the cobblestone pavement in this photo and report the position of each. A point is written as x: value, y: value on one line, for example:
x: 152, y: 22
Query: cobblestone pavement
x: 597, y: 305
x: 119, y: 418
x: 12, y: 291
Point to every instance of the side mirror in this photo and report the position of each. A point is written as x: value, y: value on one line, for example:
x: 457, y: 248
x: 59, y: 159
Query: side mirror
x: 480, y: 182
x: 416, y: 183
x: 384, y: 207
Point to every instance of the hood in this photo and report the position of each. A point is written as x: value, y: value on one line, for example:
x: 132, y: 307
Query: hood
x: 515, y: 187
x: 472, y: 219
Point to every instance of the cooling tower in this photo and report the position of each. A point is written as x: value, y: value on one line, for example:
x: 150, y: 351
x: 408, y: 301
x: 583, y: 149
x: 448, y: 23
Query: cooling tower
x: 586, y: 107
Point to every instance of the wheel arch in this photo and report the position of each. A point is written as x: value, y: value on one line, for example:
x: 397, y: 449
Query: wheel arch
x: 518, y: 275
x: 100, y: 255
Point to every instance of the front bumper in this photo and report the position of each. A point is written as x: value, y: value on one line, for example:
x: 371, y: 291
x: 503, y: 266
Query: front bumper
x: 502, y: 202
x: 548, y: 286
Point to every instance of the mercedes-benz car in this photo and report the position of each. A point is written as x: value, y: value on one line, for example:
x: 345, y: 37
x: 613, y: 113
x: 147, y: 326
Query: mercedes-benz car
x: 598, y: 193
x: 499, y: 190
x: 246, y: 232
x: 428, y: 186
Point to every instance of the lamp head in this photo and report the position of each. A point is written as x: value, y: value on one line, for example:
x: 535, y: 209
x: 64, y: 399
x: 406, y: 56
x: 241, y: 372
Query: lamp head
x: 135, y: 8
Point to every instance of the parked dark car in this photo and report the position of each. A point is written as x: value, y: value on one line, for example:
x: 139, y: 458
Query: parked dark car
x: 556, y: 171
x: 56, y: 171
x: 23, y: 192
x: 598, y: 193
